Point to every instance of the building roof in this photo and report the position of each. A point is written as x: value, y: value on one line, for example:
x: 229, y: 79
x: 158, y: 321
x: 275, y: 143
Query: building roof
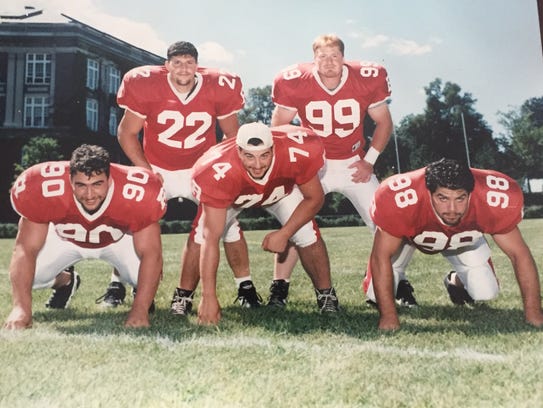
x: 15, y: 19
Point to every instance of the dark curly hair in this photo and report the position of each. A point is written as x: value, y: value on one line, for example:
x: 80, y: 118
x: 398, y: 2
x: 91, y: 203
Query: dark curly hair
x: 449, y: 173
x: 89, y: 160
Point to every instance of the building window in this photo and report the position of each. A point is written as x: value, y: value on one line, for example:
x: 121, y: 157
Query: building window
x: 113, y: 79
x: 36, y: 114
x: 113, y: 121
x: 92, y: 114
x: 38, y: 68
x: 92, y: 73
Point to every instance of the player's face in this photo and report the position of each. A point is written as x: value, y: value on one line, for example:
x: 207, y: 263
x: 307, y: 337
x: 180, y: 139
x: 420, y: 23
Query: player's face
x: 90, y: 191
x: 182, y: 69
x: 450, y: 205
x: 329, y: 61
x: 256, y: 162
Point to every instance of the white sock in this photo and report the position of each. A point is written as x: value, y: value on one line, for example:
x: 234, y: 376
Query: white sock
x: 239, y: 281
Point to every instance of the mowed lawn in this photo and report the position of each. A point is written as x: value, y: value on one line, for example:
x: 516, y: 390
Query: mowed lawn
x: 444, y: 356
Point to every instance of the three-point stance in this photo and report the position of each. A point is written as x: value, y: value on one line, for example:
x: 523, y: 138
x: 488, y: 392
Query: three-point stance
x: 85, y: 208
x: 446, y: 208
x: 277, y: 170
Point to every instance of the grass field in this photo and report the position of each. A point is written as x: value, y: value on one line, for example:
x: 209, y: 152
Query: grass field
x: 444, y: 356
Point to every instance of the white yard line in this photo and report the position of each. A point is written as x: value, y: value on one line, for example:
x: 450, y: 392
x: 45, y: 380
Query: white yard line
x: 342, y: 346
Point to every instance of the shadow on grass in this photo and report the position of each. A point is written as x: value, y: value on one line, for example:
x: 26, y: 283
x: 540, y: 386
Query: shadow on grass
x: 359, y: 322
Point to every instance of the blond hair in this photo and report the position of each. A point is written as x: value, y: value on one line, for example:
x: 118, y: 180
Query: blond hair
x: 328, y: 40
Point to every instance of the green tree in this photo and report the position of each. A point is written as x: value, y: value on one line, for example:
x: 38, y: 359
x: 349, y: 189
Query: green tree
x: 448, y: 121
x: 38, y: 149
x: 258, y: 106
x: 523, y: 141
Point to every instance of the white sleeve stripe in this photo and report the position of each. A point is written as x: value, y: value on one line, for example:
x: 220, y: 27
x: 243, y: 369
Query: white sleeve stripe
x: 140, y: 115
x: 290, y: 108
x: 228, y: 114
x: 386, y: 100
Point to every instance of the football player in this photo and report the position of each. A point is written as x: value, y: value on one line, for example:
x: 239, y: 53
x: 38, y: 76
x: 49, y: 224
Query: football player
x: 447, y: 208
x: 178, y: 106
x: 85, y: 208
x: 332, y: 96
x: 276, y: 169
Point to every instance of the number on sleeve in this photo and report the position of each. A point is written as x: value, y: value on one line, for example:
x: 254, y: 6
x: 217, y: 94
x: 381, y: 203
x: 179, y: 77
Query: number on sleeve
x: 133, y: 191
x: 399, y: 183
x: 52, y: 188
x: 368, y: 71
x: 220, y: 170
x: 227, y: 79
x: 291, y: 72
x: 497, y: 198
x: 407, y: 196
x: 137, y: 175
x: 20, y: 185
x: 292, y: 151
x: 297, y: 136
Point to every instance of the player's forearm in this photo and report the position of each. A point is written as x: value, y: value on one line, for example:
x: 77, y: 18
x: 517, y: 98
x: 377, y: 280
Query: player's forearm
x: 282, y: 116
x: 381, y: 136
x: 21, y: 275
x: 383, y: 286
x: 305, y: 212
x: 132, y: 148
x: 529, y: 285
x: 148, y: 279
x: 209, y: 263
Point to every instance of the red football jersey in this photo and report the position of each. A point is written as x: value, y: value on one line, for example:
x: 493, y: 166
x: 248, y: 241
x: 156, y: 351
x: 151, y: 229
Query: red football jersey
x: 135, y: 200
x: 221, y: 181
x: 179, y: 129
x: 337, y: 116
x: 402, y: 207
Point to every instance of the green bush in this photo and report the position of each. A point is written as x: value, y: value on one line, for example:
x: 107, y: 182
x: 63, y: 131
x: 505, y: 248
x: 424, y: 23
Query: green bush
x: 533, y: 211
x: 8, y: 230
x: 259, y: 223
x: 350, y: 220
x: 175, y: 226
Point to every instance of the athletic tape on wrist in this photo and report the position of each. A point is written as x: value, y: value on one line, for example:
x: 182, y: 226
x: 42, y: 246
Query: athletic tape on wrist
x: 372, y: 155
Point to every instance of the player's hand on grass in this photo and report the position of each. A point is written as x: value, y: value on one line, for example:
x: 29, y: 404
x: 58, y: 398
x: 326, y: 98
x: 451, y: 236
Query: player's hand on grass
x: 389, y: 323
x: 18, y: 319
x: 137, y: 318
x: 209, y: 311
x: 535, y: 319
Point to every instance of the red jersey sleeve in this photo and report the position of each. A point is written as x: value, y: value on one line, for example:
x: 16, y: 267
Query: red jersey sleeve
x: 498, y: 201
x: 215, y: 181
x: 141, y: 199
x: 136, y: 86
x: 42, y: 192
x: 288, y: 82
x: 228, y: 91
x: 393, y: 210
x: 371, y: 81
x: 304, y: 150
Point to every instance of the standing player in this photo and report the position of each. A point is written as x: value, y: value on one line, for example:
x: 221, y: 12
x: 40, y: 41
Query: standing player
x: 332, y: 96
x: 275, y: 169
x: 178, y: 105
x: 85, y: 208
x: 447, y: 207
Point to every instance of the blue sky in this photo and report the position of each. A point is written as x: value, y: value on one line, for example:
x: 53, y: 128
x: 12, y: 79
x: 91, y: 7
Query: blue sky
x: 491, y: 48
